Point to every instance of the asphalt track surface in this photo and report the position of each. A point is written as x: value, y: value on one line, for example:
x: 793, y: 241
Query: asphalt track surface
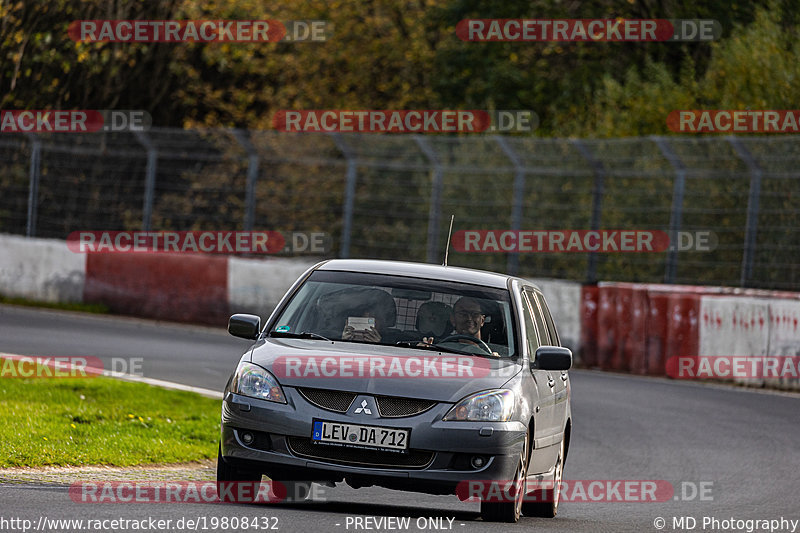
x: 743, y: 445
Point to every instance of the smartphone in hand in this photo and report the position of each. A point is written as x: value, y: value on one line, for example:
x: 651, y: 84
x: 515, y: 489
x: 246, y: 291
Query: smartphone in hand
x: 360, y: 325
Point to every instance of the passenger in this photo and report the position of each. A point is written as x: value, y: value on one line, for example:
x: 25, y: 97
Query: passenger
x: 433, y: 319
x: 380, y: 305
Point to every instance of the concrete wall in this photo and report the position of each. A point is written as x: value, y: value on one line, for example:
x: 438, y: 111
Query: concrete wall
x: 751, y: 326
x: 167, y: 286
x: 564, y: 300
x: 256, y: 285
x: 40, y: 269
x: 197, y: 288
x: 626, y: 327
x: 639, y: 328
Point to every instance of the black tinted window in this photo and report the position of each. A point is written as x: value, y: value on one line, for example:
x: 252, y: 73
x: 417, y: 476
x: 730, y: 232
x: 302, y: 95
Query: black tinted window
x: 551, y: 327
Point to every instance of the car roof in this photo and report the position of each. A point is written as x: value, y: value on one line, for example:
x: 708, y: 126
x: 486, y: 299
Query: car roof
x: 421, y: 270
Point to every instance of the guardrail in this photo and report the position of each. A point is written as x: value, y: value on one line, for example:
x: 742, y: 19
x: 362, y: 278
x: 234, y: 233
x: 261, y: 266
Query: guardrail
x: 389, y: 196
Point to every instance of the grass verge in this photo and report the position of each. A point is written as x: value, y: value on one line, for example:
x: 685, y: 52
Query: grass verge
x: 99, y: 420
x: 86, y: 308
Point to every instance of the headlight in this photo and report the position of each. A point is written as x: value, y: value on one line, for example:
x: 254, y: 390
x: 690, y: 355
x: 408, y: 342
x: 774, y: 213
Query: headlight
x: 252, y: 380
x: 490, y: 406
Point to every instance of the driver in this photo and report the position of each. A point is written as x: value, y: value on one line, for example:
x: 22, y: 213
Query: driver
x: 467, y: 317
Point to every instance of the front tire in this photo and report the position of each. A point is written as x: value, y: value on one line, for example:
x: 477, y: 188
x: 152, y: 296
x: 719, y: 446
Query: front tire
x: 540, y: 507
x: 510, y: 511
x: 227, y: 478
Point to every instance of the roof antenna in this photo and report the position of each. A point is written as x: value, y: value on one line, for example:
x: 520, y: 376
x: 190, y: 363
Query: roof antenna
x: 449, y: 233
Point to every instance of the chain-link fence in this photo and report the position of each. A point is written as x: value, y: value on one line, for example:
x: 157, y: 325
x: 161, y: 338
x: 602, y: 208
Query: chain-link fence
x: 391, y: 196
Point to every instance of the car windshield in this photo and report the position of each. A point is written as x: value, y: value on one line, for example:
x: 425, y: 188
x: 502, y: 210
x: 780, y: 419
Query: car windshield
x: 397, y: 310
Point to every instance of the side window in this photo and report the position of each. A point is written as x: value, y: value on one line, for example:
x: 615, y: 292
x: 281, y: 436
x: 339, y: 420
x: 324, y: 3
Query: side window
x: 544, y: 335
x: 549, y: 319
x: 530, y: 329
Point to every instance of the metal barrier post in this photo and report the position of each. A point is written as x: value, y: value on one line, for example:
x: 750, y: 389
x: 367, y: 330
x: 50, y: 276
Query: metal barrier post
x: 752, y: 208
x: 598, y: 189
x: 252, y: 176
x: 150, y: 179
x: 512, y: 263
x: 434, y: 210
x: 34, y: 174
x: 678, y: 190
x: 349, y: 193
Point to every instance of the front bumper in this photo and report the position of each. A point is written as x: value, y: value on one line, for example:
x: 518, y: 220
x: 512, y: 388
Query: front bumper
x: 439, y: 456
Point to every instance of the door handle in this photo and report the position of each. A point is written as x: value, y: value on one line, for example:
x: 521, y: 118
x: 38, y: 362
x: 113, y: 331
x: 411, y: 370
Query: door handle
x: 551, y: 382
x: 564, y: 377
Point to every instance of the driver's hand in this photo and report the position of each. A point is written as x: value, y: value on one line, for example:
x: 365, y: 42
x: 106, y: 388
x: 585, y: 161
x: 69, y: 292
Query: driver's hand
x: 347, y: 334
x: 426, y: 341
x: 372, y: 335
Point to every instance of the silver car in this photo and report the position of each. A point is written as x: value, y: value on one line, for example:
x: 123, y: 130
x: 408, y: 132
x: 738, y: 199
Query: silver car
x: 417, y: 377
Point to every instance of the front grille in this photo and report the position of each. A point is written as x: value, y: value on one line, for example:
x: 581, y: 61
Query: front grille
x: 395, y: 407
x: 303, y: 447
x: 332, y: 400
x: 388, y: 406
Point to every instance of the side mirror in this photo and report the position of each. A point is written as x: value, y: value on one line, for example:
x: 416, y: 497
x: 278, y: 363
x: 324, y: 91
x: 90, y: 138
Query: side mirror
x: 553, y: 358
x: 244, y: 326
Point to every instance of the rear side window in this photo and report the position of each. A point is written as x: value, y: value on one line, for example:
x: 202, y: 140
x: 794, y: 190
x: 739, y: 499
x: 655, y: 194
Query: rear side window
x: 551, y: 327
x: 531, y: 338
x: 541, y: 327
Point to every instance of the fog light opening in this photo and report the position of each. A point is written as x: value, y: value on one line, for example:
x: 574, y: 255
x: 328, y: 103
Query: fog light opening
x: 478, y: 461
x: 248, y: 438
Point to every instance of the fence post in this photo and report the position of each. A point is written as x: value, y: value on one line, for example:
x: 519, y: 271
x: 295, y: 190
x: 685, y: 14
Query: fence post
x: 34, y: 173
x: 754, y: 198
x: 349, y: 193
x: 252, y: 176
x: 598, y: 189
x: 434, y: 210
x: 512, y: 263
x: 678, y: 189
x: 150, y: 179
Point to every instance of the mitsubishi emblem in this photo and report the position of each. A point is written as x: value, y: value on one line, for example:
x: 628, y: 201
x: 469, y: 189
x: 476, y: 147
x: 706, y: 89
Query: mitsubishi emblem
x: 363, y: 409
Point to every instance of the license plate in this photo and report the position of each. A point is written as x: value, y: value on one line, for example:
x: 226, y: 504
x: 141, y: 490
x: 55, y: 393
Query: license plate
x: 356, y: 435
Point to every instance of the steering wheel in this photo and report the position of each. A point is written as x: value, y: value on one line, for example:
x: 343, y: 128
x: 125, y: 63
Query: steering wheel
x: 479, y: 343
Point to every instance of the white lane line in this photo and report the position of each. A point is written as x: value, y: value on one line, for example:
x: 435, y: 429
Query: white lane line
x: 65, y: 365
x: 217, y: 395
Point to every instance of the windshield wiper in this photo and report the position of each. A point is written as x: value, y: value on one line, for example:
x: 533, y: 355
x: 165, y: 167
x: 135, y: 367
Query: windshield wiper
x: 425, y: 346
x: 303, y: 335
